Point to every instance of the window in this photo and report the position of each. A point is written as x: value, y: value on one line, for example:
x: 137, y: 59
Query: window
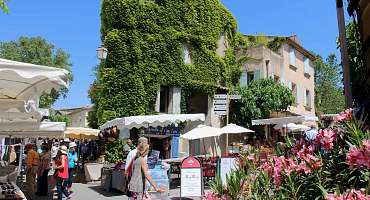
x: 243, y: 79
x: 306, y: 66
x: 307, y: 99
x: 186, y: 54
x: 250, y: 76
x: 164, y: 99
x: 276, y: 79
x: 267, y: 68
x: 292, y: 56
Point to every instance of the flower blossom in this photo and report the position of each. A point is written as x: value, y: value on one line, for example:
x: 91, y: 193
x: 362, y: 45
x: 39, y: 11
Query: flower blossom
x: 359, y: 157
x: 352, y: 195
x: 326, y: 138
x: 344, y: 116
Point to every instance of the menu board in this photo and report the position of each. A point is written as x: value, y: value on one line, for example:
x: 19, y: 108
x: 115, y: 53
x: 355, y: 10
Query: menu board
x: 226, y: 166
x: 191, y: 182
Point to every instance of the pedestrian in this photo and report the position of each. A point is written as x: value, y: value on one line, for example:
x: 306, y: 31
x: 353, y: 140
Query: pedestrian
x: 140, y: 174
x: 128, y: 146
x: 72, y: 159
x: 31, y: 170
x: 42, y: 174
x: 62, y: 172
x: 131, y: 155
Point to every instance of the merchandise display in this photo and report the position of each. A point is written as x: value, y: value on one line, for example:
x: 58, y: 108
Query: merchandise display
x: 8, y: 190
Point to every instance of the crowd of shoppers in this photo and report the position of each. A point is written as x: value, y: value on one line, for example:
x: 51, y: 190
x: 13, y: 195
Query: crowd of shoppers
x: 56, y: 162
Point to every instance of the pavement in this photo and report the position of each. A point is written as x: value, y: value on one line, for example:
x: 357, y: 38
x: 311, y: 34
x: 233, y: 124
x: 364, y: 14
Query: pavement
x: 94, y: 191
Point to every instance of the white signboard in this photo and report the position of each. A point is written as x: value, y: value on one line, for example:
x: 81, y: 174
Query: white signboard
x: 220, y: 96
x: 226, y: 166
x: 235, y: 96
x: 221, y: 102
x: 191, y: 182
x: 220, y: 107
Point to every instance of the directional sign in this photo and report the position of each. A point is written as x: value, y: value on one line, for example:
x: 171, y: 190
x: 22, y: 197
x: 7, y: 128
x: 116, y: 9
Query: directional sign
x: 235, y: 96
x: 220, y: 102
x: 220, y: 112
x: 220, y: 107
x: 220, y: 96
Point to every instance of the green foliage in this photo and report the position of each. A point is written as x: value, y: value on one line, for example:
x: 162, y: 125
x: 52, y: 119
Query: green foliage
x: 57, y: 117
x: 360, y: 81
x: 259, y: 99
x: 145, y: 39
x: 3, y: 6
x: 329, y: 98
x: 37, y: 50
x: 114, y: 151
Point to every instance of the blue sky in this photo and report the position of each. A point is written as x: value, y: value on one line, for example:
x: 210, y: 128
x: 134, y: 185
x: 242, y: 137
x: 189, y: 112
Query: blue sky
x: 74, y: 25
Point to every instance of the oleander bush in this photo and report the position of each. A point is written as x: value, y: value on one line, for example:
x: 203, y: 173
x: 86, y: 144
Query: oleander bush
x: 335, y: 165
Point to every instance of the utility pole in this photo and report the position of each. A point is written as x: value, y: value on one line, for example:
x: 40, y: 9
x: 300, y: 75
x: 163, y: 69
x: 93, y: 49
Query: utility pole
x: 344, y: 53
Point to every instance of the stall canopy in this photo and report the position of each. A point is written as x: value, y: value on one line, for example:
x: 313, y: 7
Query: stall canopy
x: 23, y: 80
x: 42, y: 130
x: 233, y: 128
x: 284, y: 120
x: 292, y: 127
x: 80, y: 132
x: 202, y: 131
x: 151, y: 120
x: 21, y: 85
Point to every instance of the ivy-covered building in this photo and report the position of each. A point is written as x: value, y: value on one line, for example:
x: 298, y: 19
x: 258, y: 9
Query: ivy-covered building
x: 165, y: 56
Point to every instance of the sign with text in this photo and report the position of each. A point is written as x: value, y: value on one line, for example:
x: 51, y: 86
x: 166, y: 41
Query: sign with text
x: 235, y: 96
x: 220, y: 104
x: 191, y: 178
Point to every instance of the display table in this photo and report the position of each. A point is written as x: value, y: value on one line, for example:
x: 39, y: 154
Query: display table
x: 119, y: 180
x: 93, y: 171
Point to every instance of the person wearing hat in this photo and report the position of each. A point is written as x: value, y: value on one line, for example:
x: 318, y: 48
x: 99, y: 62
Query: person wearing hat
x: 72, y: 159
x: 31, y: 170
x: 44, y: 167
x: 62, y: 172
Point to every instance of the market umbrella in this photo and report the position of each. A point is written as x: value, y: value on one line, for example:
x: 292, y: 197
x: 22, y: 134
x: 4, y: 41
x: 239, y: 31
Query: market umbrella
x: 81, y: 132
x: 201, y: 132
x: 24, y: 81
x: 232, y: 129
x: 292, y: 127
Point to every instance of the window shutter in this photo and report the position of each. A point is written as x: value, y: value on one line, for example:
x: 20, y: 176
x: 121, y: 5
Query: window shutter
x: 257, y: 75
x: 298, y: 94
x: 290, y: 85
x: 282, y: 81
x: 292, y: 56
x: 305, y: 97
x: 243, y: 79
x: 306, y: 65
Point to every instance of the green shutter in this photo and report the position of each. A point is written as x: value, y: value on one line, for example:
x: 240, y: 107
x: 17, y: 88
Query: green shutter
x: 257, y: 75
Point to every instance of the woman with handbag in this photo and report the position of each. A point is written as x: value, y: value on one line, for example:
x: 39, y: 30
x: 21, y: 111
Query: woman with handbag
x: 140, y: 174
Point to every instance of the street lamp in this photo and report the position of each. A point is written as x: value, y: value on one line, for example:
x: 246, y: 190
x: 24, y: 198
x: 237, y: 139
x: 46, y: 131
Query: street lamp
x: 102, y: 53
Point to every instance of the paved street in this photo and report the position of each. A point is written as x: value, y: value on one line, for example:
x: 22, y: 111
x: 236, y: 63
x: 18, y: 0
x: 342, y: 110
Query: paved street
x: 93, y: 191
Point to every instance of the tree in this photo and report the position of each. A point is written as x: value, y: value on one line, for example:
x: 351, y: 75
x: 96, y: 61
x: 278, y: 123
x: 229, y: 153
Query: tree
x: 37, y: 50
x: 3, y: 6
x: 329, y: 96
x: 259, y: 99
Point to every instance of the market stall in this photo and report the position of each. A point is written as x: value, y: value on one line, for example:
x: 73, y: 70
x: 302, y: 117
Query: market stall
x: 81, y: 133
x: 21, y: 85
x: 163, y: 132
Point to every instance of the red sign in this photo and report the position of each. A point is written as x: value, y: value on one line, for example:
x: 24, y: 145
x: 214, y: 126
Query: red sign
x: 190, y: 162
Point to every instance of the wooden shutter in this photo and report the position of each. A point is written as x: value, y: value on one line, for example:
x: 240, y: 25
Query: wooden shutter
x: 306, y: 65
x: 257, y: 75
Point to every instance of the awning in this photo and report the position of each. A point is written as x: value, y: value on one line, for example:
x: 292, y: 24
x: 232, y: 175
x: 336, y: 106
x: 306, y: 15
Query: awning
x: 233, y: 128
x: 80, y: 132
x: 25, y: 81
x: 202, y: 131
x: 151, y: 120
x: 292, y: 127
x: 43, y: 130
x: 284, y: 120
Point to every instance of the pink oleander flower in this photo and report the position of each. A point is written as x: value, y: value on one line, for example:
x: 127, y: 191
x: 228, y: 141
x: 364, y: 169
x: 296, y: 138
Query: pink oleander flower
x: 326, y: 138
x: 291, y: 166
x: 210, y: 196
x: 267, y: 168
x: 251, y: 157
x: 304, y: 168
x: 359, y: 157
x: 344, y: 116
x: 352, y: 195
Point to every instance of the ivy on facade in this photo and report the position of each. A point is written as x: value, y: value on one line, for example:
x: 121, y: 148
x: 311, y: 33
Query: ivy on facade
x: 145, y: 40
